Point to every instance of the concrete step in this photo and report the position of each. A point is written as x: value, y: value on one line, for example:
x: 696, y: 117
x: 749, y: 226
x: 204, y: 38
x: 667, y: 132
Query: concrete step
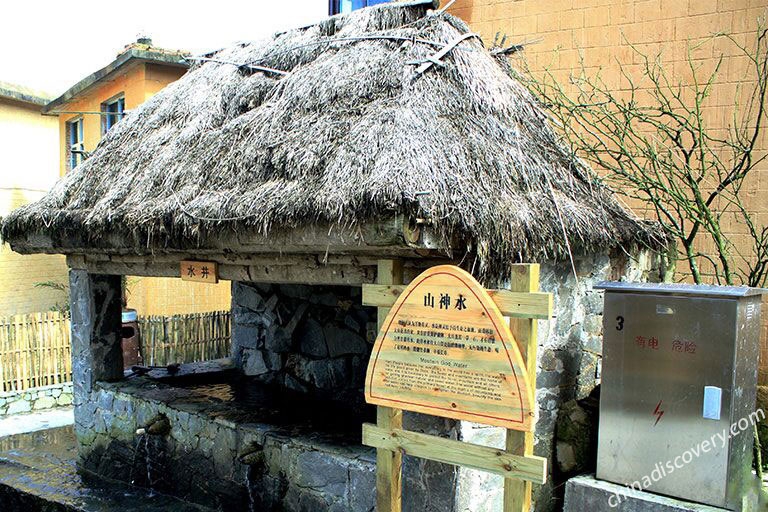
x: 586, y: 493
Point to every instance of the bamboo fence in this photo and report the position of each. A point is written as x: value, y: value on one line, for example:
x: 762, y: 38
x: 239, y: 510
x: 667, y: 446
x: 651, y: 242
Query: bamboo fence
x: 185, y: 338
x: 35, y: 349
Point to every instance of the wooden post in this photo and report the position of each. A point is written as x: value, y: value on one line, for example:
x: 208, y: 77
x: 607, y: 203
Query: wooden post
x: 517, y: 493
x: 389, y: 464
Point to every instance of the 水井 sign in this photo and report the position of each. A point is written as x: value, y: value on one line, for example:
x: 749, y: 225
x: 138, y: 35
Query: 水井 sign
x: 446, y: 350
x: 199, y: 271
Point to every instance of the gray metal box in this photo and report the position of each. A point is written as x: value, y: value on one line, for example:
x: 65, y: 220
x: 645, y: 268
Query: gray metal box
x: 679, y: 368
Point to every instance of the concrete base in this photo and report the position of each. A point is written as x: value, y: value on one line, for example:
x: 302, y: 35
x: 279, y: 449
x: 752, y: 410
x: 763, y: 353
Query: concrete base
x: 586, y: 493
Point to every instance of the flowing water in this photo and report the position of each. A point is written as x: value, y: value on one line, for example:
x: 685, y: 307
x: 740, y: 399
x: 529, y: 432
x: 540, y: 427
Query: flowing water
x: 148, y: 462
x: 38, y: 472
x: 136, y: 446
x: 251, y: 501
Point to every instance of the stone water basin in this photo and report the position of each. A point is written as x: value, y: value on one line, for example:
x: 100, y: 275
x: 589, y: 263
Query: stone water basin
x: 229, y: 443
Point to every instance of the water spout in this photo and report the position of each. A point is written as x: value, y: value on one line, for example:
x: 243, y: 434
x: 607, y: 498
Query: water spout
x: 159, y: 426
x: 253, y: 458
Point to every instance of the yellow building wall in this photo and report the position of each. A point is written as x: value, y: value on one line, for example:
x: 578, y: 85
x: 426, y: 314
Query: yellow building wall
x: 602, y: 33
x: 138, y: 82
x: 172, y: 296
x: 157, y: 77
x: 29, y: 169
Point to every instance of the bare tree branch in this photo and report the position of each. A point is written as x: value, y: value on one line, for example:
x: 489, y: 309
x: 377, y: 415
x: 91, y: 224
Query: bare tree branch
x: 653, y: 140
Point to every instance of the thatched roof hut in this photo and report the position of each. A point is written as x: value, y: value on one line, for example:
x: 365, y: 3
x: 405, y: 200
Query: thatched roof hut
x: 346, y: 131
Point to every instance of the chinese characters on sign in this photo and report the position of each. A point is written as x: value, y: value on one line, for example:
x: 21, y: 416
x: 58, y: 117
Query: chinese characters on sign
x: 652, y: 343
x: 687, y: 347
x: 199, y: 271
x: 445, y: 349
x: 445, y: 301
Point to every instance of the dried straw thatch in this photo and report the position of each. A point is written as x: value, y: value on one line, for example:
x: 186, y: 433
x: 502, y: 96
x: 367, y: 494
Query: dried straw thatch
x: 349, y: 134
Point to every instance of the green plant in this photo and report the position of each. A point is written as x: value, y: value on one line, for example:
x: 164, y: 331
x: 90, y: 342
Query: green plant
x: 60, y: 306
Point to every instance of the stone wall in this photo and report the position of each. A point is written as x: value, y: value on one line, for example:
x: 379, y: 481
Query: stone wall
x: 317, y: 340
x: 205, y: 457
x: 46, y: 397
x: 310, y: 339
x: 205, y: 454
x: 569, y: 353
x: 225, y: 455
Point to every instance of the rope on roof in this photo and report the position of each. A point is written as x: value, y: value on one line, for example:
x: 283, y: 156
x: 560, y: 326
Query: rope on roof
x: 445, y: 7
x: 250, y: 67
x: 404, y: 39
x: 424, y: 64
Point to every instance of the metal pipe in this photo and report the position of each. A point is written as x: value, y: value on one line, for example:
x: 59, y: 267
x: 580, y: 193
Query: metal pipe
x: 87, y: 112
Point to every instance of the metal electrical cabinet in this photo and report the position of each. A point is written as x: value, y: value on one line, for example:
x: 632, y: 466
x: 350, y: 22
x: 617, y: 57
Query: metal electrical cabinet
x: 679, y: 368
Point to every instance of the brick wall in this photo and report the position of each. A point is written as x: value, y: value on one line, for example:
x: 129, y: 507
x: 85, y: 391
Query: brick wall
x: 19, y: 273
x: 172, y: 296
x: 601, y: 32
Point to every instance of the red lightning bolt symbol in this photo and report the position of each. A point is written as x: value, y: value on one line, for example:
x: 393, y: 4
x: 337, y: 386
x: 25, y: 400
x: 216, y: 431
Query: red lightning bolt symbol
x: 658, y: 413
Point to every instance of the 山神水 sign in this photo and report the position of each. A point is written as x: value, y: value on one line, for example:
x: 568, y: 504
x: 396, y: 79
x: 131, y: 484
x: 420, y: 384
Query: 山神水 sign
x: 445, y: 349
x: 199, y: 271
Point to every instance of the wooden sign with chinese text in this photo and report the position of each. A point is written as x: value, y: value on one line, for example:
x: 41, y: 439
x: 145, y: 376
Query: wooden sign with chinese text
x: 445, y: 349
x: 200, y: 271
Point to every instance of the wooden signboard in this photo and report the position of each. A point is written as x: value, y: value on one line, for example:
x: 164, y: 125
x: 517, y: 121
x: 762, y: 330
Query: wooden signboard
x: 446, y: 350
x: 199, y: 271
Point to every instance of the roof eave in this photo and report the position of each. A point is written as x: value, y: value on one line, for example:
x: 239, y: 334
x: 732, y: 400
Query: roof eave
x: 392, y: 233
x: 132, y: 55
x: 21, y: 97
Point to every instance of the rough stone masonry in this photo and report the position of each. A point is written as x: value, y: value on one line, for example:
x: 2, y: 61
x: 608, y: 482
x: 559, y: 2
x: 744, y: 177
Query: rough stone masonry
x: 569, y: 354
x: 317, y: 340
x: 314, y: 340
x: 310, y: 339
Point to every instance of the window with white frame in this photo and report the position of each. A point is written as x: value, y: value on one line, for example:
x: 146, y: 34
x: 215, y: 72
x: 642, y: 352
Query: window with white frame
x: 113, y: 110
x: 75, y: 146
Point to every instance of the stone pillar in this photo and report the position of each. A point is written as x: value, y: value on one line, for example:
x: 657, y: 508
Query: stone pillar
x: 95, y: 302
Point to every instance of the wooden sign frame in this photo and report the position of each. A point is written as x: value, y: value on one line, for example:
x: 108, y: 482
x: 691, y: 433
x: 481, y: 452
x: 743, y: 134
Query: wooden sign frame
x: 199, y: 271
x: 523, y: 304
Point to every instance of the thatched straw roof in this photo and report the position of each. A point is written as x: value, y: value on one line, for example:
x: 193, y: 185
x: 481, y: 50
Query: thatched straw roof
x: 350, y: 133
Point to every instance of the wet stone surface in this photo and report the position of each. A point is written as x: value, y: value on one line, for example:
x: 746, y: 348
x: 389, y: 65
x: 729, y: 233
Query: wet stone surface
x: 235, y: 444
x: 232, y: 444
x: 38, y: 472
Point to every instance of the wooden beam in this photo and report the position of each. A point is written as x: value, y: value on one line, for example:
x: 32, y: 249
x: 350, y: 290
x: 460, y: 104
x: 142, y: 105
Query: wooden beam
x: 288, y: 269
x: 525, y: 279
x: 392, y: 237
x: 515, y: 304
x: 483, y: 458
x: 389, y: 463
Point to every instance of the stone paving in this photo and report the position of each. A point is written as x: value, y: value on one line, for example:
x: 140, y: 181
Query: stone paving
x: 31, y: 422
x: 38, y: 472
